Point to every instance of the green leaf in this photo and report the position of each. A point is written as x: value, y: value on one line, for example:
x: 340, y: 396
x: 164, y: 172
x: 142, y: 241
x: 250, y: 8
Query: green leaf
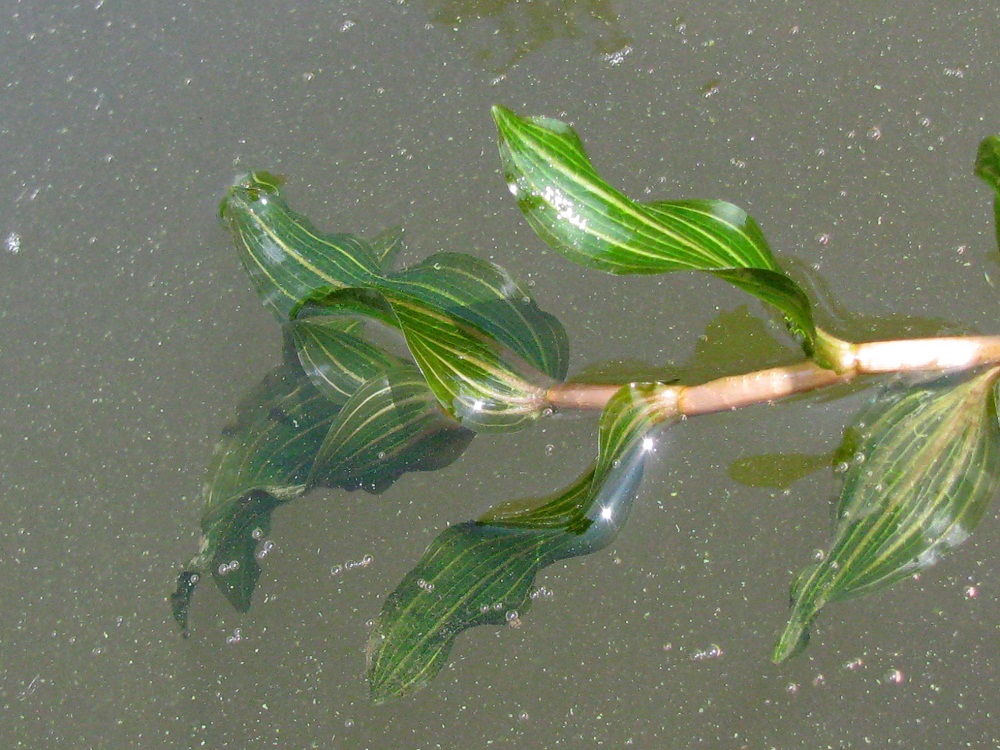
x: 988, y: 169
x: 477, y: 381
x: 485, y: 296
x: 573, y: 209
x: 482, y: 573
x: 392, y: 424
x: 262, y: 460
x: 386, y: 246
x: 779, y: 470
x: 926, y: 465
x: 289, y: 438
x: 286, y: 257
x: 337, y: 361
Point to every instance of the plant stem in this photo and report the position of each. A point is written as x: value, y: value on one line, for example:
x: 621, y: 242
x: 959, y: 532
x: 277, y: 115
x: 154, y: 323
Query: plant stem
x: 764, y: 386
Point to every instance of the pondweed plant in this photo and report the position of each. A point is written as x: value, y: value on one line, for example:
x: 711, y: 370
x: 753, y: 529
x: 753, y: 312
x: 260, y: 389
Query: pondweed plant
x: 346, y: 410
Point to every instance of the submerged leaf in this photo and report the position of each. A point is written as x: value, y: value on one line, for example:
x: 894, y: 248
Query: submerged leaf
x: 779, y: 470
x: 392, y: 424
x: 262, y: 460
x: 575, y: 211
x: 926, y: 465
x: 482, y: 573
x: 289, y: 438
x: 988, y: 169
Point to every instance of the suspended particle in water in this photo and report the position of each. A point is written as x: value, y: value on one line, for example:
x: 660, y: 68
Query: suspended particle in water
x: 971, y: 591
x: 894, y: 677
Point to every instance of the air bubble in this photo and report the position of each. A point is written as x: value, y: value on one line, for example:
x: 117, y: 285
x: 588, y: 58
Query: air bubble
x: 894, y: 677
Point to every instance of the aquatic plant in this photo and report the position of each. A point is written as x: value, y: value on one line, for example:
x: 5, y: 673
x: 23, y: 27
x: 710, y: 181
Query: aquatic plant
x: 346, y: 410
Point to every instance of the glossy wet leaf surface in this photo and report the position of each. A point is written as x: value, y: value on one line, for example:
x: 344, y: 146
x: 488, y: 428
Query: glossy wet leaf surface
x: 575, y: 211
x: 924, y: 465
x: 481, y: 573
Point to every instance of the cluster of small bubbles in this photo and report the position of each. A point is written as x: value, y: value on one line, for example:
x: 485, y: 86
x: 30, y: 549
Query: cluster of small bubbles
x: 738, y: 163
x: 229, y: 567
x: 824, y: 238
x: 364, y: 562
x: 714, y: 651
x: 523, y: 716
x: 236, y: 637
x: 874, y: 132
x: 971, y: 591
x: 348, y: 25
x: 819, y: 680
x: 424, y: 585
x: 668, y: 647
x: 925, y: 121
x: 894, y: 677
x: 616, y: 58
x: 954, y: 72
x: 854, y: 664
x: 541, y: 593
x: 265, y: 549
x: 13, y: 243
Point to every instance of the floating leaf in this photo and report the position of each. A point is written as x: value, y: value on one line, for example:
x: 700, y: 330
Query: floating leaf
x: 482, y: 573
x: 485, y: 296
x: 926, y: 465
x: 286, y: 257
x: 573, y: 209
x: 477, y: 381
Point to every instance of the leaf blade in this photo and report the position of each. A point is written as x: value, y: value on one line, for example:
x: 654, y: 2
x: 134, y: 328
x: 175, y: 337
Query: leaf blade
x: 481, y: 573
x: 930, y: 466
x: 579, y: 214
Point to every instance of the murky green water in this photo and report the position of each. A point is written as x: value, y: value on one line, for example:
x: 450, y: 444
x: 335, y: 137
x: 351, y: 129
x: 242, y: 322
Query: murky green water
x: 128, y: 332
